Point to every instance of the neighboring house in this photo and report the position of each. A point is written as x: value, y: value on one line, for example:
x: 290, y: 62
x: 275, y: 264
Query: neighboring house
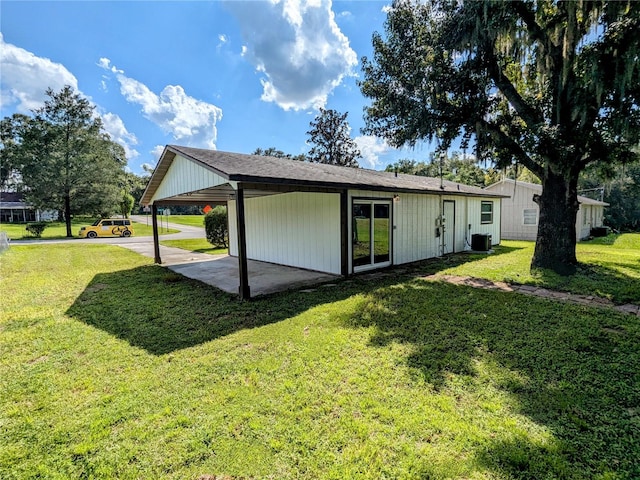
x: 520, y: 212
x: 321, y: 217
x: 13, y: 209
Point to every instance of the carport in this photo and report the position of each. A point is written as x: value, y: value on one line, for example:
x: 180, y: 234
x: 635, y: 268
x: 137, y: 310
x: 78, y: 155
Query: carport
x: 183, y: 176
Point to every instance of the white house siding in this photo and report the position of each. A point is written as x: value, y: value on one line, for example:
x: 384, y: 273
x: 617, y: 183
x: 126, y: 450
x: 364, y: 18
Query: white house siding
x: 414, y: 223
x: 513, y: 227
x: 477, y: 227
x: 414, y: 233
x: 186, y: 176
x: 585, y: 220
x: 295, y: 229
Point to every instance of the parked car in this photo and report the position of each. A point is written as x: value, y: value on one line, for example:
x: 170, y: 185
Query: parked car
x: 108, y: 227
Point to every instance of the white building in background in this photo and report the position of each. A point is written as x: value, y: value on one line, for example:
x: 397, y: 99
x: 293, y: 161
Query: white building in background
x: 520, y: 213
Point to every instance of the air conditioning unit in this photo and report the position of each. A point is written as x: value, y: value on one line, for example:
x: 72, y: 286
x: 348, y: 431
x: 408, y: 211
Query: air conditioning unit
x: 481, y: 242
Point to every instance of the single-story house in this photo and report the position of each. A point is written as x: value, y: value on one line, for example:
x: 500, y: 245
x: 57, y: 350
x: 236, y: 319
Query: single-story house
x: 520, y: 212
x: 13, y: 209
x: 331, y: 219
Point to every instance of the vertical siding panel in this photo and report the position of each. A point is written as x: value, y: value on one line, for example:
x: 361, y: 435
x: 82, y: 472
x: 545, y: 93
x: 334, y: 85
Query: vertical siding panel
x: 233, y: 237
x: 298, y: 229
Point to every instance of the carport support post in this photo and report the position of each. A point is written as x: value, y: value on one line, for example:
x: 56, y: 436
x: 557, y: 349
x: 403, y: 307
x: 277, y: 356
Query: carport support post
x: 344, y: 233
x: 156, y: 240
x: 244, y: 291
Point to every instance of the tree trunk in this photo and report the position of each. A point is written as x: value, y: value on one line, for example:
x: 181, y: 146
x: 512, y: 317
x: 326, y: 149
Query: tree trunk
x: 67, y: 214
x: 556, y: 242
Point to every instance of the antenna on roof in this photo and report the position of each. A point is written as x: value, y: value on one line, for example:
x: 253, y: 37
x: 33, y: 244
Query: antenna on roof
x: 442, y: 154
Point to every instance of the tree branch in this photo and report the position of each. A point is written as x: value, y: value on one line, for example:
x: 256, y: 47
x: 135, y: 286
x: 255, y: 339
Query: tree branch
x: 530, y: 115
x: 528, y: 17
x: 504, y: 140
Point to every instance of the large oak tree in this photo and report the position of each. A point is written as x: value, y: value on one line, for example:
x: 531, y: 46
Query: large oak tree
x: 550, y: 85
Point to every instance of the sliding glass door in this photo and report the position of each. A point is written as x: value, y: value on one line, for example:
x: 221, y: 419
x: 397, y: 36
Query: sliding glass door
x: 371, y: 234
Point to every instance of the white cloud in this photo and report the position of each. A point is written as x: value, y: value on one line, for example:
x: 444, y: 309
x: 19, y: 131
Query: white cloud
x: 26, y: 77
x: 298, y: 47
x: 115, y: 127
x: 371, y: 148
x: 188, y: 120
x: 157, y: 151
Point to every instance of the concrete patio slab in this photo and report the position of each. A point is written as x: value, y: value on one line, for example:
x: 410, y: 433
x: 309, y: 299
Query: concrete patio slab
x: 264, y: 278
x: 221, y: 271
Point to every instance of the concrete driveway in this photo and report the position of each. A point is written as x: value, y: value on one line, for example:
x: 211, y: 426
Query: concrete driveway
x: 220, y: 271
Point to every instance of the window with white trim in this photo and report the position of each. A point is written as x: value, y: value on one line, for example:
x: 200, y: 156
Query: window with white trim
x: 486, y: 212
x: 530, y: 216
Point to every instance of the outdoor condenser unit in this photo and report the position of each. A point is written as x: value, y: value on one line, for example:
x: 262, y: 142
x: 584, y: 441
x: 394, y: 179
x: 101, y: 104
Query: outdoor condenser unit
x: 481, y: 242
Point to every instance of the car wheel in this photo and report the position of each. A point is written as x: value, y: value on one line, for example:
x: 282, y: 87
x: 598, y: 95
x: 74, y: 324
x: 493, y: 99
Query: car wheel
x: 126, y: 233
x: 92, y: 235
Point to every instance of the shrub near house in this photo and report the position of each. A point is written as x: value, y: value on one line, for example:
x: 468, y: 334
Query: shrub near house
x: 216, y: 227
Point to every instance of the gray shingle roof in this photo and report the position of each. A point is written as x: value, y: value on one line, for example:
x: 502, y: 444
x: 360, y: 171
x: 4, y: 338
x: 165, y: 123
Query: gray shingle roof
x: 260, y: 169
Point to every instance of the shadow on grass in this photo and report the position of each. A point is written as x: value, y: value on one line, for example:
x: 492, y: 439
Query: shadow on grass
x: 434, y: 265
x: 606, y: 279
x: 160, y: 311
x: 571, y: 369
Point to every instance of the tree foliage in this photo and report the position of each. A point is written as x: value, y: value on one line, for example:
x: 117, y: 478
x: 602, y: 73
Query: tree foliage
x: 620, y: 186
x: 126, y: 204
x: 216, y: 227
x: 455, y: 168
x: 331, y: 141
x: 66, y: 161
x: 274, y: 152
x: 11, y: 129
x: 553, y: 86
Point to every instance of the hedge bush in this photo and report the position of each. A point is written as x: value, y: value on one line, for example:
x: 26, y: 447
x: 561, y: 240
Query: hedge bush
x: 36, y: 228
x: 216, y: 227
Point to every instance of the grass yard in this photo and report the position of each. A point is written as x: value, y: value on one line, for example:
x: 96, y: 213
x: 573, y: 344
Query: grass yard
x: 610, y: 267
x: 191, y: 220
x: 200, y: 245
x: 58, y: 230
x: 112, y: 367
x: 54, y: 230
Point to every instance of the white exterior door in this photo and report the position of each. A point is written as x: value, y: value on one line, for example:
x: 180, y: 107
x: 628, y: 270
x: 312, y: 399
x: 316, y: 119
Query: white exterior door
x: 448, y: 227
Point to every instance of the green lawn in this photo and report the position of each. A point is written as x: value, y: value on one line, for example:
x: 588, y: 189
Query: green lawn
x: 610, y: 267
x: 112, y: 367
x: 200, y: 245
x: 58, y: 230
x: 192, y: 220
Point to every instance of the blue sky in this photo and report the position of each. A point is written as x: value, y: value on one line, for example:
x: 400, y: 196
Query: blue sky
x: 234, y: 76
